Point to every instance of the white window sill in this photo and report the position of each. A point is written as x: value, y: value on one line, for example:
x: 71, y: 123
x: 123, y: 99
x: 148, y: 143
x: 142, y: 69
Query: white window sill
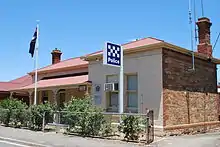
x: 132, y: 110
x: 112, y: 109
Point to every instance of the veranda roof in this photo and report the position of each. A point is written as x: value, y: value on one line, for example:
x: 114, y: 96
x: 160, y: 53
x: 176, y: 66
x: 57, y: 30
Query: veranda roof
x: 57, y: 82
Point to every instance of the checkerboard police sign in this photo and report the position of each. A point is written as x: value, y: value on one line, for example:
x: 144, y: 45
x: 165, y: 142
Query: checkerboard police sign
x: 112, y: 54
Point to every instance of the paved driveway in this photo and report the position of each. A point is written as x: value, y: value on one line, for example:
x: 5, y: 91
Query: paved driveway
x: 201, y: 140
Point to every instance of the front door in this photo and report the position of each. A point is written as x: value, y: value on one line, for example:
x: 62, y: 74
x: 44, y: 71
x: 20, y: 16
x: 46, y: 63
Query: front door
x: 61, y: 100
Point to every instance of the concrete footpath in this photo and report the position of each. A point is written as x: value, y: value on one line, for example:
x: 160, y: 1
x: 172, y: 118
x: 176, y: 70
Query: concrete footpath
x: 39, y: 139
x: 51, y: 139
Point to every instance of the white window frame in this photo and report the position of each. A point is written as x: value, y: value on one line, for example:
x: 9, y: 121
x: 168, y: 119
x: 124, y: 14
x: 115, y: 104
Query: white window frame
x: 131, y: 109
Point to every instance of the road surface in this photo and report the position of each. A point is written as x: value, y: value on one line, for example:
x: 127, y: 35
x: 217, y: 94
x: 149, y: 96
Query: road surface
x: 10, y: 144
x: 52, y: 139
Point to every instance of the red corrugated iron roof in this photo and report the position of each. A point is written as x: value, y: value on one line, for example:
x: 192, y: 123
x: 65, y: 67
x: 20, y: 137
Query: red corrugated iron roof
x: 69, y: 63
x: 17, y: 83
x: 134, y: 44
x: 58, y: 82
x: 6, y: 86
x: 150, y: 42
x: 23, y: 81
x: 141, y: 42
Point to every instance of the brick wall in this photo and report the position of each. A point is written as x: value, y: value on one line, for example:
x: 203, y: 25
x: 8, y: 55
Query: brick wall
x: 188, y: 97
x: 177, y: 76
x: 4, y: 95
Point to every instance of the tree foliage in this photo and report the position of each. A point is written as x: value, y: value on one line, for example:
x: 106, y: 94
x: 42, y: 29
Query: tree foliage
x: 37, y: 113
x: 13, y: 111
x: 83, y: 117
x: 130, y: 127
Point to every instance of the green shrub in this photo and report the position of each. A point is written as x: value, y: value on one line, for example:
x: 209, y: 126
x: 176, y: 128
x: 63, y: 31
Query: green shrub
x: 5, y: 116
x: 91, y: 122
x: 130, y: 127
x: 36, y: 115
x: 20, y: 115
x: 107, y: 127
x: 83, y: 117
x: 13, y: 111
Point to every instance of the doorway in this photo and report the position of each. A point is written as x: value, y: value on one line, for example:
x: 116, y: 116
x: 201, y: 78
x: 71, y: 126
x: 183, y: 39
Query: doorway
x: 62, y: 97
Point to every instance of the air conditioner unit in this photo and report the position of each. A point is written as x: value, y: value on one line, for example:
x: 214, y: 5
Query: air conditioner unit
x: 110, y: 87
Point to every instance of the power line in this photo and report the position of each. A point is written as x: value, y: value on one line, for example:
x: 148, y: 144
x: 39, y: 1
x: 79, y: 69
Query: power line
x: 216, y: 42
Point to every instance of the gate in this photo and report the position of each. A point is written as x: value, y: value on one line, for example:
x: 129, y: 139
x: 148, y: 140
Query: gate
x: 150, y: 128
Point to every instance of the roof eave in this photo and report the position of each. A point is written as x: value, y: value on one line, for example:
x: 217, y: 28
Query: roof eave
x: 60, y: 69
x: 48, y: 87
x: 127, y: 51
x: 188, y: 52
x: 156, y: 46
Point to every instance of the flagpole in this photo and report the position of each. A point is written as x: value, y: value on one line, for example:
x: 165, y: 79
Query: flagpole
x: 36, y: 64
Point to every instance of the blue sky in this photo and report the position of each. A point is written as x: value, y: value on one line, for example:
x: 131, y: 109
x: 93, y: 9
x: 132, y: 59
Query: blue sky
x: 78, y: 27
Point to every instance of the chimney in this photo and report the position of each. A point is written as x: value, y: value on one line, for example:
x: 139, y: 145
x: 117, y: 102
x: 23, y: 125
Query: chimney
x: 56, y: 56
x: 204, y: 46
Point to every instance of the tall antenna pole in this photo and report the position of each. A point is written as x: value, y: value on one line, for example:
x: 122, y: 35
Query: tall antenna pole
x: 191, y: 34
x: 195, y: 19
x: 202, y: 7
x: 36, y: 64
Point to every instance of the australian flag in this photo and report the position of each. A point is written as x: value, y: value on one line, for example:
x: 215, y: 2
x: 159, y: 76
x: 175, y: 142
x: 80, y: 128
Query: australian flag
x: 32, y: 44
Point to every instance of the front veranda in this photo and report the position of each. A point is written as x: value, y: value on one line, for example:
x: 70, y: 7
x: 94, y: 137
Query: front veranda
x: 58, y: 91
x: 58, y: 95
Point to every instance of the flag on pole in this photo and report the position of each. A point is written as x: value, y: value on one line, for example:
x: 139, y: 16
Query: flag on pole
x: 32, y: 44
x: 33, y: 50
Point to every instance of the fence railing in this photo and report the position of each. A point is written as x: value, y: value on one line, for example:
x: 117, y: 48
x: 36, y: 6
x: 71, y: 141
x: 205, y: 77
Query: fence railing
x: 75, y: 121
x: 130, y: 126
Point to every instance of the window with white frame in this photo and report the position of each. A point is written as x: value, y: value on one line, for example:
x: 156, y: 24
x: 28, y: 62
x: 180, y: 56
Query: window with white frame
x: 112, y: 97
x: 132, y: 93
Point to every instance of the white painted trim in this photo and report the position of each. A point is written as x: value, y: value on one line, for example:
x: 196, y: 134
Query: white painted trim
x: 159, y: 127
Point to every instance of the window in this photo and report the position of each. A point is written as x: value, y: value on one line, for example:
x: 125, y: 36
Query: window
x: 131, y: 91
x: 112, y: 97
x: 112, y: 79
x: 97, y: 94
x: 44, y: 96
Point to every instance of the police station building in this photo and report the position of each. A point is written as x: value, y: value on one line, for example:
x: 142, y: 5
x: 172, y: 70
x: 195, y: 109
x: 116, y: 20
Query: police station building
x: 142, y: 77
x: 158, y: 76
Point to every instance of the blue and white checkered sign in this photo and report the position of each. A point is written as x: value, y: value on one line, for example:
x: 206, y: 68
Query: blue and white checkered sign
x: 112, y: 54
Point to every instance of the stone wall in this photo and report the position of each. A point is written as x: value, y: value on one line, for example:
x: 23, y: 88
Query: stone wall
x: 181, y: 108
x: 178, y: 76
